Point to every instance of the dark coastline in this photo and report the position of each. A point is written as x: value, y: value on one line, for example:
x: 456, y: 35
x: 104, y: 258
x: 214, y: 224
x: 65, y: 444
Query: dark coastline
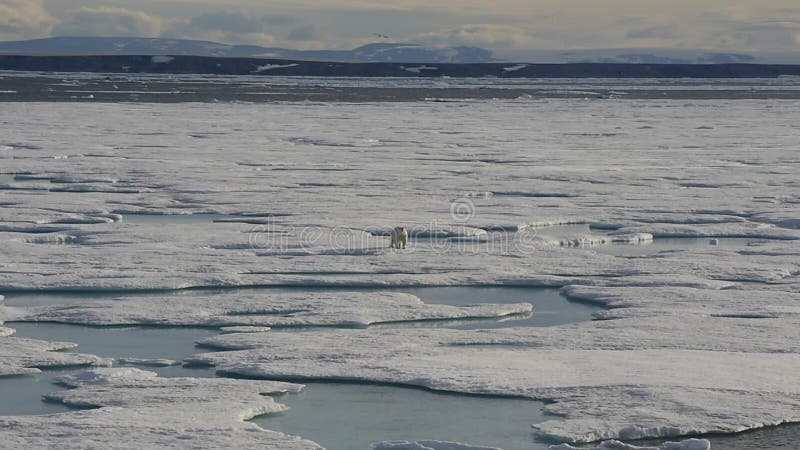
x: 282, y: 67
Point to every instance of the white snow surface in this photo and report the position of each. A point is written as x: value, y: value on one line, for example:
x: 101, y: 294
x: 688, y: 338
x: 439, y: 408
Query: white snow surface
x: 262, y: 309
x: 244, y: 329
x: 150, y: 362
x: 688, y: 444
x: 515, y: 68
x: 266, y: 67
x: 419, y: 69
x: 138, y: 409
x: 698, y: 338
x: 25, y: 356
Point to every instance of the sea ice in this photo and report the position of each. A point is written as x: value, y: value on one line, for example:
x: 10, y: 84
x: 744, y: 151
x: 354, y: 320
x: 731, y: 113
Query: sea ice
x: 245, y: 329
x: 261, y: 309
x: 138, y: 409
x: 147, y: 362
x: 689, y: 444
x: 696, y: 337
x: 689, y: 366
x: 26, y: 356
x: 427, y: 445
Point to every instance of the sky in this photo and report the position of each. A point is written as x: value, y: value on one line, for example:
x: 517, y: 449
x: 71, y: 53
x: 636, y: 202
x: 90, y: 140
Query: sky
x: 508, y: 27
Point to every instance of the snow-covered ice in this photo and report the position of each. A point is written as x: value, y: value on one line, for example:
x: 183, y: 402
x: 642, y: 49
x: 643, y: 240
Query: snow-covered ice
x: 147, y: 362
x: 697, y: 339
x: 579, y: 367
x: 138, y: 409
x: 689, y: 444
x: 25, y: 356
x: 262, y: 309
x: 266, y: 67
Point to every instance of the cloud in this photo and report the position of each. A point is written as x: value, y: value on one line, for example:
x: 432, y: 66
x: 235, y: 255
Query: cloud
x: 24, y: 19
x: 235, y: 26
x: 656, y: 32
x: 766, y: 33
x: 110, y: 21
x: 232, y: 26
x: 304, y: 33
x: 228, y: 21
x: 482, y: 35
x: 769, y: 25
x: 504, y: 26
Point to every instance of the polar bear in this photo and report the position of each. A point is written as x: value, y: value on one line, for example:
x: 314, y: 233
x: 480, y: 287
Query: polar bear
x: 399, y: 237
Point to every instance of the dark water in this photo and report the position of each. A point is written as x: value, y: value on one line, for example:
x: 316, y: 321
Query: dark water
x: 127, y: 342
x: 351, y: 416
x: 22, y: 395
x: 549, y: 307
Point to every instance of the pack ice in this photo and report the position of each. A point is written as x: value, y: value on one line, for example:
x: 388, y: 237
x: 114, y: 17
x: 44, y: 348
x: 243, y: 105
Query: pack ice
x: 133, y: 408
x: 696, y: 338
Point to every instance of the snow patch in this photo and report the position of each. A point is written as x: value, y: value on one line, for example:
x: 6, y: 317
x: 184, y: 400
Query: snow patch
x: 419, y: 69
x: 689, y: 444
x: 515, y: 68
x: 267, y: 67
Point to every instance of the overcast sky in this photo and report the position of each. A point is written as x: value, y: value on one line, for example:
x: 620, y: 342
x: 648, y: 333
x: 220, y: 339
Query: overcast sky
x: 507, y: 27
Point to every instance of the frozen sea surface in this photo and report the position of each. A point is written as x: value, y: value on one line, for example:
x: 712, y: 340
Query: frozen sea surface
x: 698, y: 330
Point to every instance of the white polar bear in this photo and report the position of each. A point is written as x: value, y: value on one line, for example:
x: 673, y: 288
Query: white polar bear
x: 399, y: 237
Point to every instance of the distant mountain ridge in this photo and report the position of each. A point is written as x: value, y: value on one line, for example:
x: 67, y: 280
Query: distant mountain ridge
x: 377, y: 52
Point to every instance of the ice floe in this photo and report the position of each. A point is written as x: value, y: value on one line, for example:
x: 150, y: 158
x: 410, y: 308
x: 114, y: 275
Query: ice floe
x: 147, y: 362
x: 26, y: 356
x: 138, y: 409
x: 261, y: 309
x: 689, y: 367
x: 689, y: 444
